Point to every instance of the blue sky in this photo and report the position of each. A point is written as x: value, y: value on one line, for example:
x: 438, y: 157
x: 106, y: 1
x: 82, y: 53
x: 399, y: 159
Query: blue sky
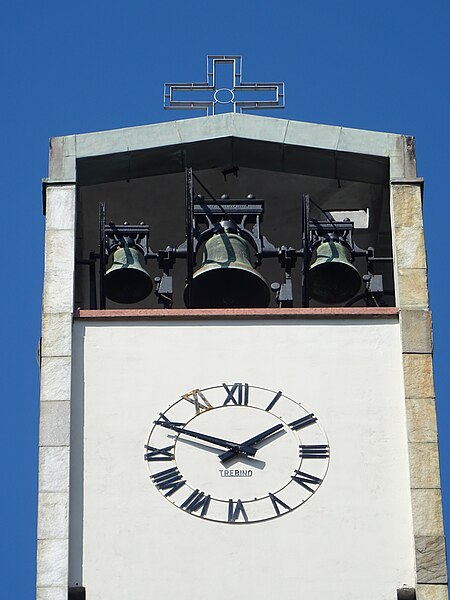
x: 87, y: 66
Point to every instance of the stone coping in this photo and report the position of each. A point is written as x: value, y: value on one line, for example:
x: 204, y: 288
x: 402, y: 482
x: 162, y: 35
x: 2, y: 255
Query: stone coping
x: 239, y: 313
x: 66, y: 150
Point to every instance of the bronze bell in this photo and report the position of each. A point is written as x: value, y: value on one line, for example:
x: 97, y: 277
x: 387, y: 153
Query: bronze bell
x: 226, y: 278
x: 332, y: 277
x: 126, y: 281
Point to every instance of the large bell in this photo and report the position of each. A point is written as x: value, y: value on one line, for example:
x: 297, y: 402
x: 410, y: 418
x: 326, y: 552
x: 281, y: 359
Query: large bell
x: 332, y: 277
x: 126, y: 281
x: 226, y: 278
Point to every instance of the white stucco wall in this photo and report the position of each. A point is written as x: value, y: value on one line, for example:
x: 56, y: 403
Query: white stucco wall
x: 352, y: 539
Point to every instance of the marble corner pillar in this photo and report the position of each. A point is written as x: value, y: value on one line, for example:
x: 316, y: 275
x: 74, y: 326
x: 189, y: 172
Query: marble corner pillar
x: 416, y: 331
x: 54, y: 427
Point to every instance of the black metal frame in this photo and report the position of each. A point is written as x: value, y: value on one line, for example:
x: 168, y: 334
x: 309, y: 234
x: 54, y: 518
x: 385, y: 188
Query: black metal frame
x: 315, y: 232
x: 205, y: 218
x: 113, y: 236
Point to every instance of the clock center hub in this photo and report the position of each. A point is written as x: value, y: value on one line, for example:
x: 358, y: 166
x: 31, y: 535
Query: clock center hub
x: 241, y: 475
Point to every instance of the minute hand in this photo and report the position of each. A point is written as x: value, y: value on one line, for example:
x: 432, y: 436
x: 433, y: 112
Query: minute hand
x: 209, y: 438
x: 243, y: 448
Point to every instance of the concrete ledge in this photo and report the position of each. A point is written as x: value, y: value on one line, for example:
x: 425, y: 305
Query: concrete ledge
x: 229, y: 124
x: 366, y: 142
x: 271, y: 129
x: 62, y: 150
x: 309, y: 134
x: 409, y: 151
x: 430, y: 559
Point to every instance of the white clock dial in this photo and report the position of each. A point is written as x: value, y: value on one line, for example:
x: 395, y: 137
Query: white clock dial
x: 237, y: 453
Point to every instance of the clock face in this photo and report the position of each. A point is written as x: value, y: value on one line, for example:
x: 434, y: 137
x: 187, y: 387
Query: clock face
x: 237, y: 453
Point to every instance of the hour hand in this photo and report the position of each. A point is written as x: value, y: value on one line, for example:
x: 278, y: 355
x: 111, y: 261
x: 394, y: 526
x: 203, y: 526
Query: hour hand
x: 236, y: 448
x: 242, y: 448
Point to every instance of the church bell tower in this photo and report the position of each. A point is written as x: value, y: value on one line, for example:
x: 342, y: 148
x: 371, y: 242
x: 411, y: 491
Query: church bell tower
x: 236, y: 370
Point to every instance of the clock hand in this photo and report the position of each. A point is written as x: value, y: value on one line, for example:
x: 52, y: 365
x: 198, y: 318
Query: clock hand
x: 254, y: 462
x: 242, y: 448
x: 209, y: 438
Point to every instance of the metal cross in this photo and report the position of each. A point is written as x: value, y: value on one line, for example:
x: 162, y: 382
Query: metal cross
x: 221, y: 97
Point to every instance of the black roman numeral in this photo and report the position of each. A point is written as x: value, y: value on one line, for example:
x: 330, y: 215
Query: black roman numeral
x: 170, y: 480
x: 315, y: 451
x: 235, y: 510
x: 196, y: 501
x: 159, y: 453
x: 277, y: 503
x: 197, y: 398
x: 303, y: 422
x: 306, y: 480
x: 274, y: 401
x: 164, y: 419
x: 238, y: 394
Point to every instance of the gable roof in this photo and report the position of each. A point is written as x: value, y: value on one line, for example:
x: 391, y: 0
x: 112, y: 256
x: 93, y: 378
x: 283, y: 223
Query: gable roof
x: 67, y: 150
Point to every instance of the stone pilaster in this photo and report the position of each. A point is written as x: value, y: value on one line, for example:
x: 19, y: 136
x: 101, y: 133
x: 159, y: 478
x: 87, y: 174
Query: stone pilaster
x: 412, y: 294
x: 54, y: 432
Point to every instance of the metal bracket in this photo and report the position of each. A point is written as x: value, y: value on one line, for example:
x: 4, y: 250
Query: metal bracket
x: 315, y: 232
x: 164, y: 284
x: 241, y: 212
x: 164, y: 290
x: 135, y: 236
x: 287, y: 257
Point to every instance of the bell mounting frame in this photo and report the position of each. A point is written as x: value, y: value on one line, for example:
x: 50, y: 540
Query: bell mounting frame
x: 315, y: 232
x: 205, y: 218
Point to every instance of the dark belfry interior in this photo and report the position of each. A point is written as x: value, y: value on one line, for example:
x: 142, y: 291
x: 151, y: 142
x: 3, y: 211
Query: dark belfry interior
x: 233, y: 223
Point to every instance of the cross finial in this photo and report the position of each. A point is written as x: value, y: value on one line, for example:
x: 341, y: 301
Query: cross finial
x: 235, y: 96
